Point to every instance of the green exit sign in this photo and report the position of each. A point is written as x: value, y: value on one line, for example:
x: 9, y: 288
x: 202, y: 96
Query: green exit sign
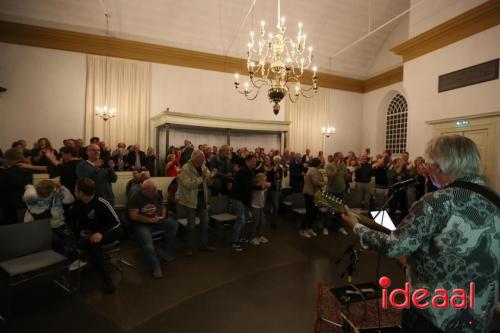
x: 462, y: 123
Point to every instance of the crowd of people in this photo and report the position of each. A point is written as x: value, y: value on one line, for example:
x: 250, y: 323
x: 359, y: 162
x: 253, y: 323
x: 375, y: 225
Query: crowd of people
x: 434, y: 233
x: 81, y: 205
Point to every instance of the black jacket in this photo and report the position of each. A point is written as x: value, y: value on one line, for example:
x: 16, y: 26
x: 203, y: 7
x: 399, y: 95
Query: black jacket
x: 243, y: 185
x: 96, y: 216
x: 12, y: 183
x: 131, y: 158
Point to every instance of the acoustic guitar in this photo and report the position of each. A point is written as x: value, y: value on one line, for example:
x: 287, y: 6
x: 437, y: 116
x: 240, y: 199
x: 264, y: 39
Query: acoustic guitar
x: 335, y: 205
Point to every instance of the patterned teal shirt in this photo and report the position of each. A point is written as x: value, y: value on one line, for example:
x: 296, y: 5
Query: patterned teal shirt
x: 451, y: 237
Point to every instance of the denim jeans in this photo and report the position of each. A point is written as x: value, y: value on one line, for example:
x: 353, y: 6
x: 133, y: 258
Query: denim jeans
x: 366, y: 191
x: 239, y: 210
x: 259, y: 221
x: 145, y: 238
x: 273, y: 201
x: 202, y: 212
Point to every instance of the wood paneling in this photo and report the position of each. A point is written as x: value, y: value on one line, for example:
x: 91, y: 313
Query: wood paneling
x: 480, y: 18
x: 385, y: 79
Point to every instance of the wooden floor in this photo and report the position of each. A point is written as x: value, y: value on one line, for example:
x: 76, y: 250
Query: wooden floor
x: 268, y: 288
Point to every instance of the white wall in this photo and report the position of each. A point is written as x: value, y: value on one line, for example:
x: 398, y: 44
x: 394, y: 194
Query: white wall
x: 45, y: 97
x: 421, y: 84
x: 345, y: 114
x: 434, y: 12
x: 385, y: 59
x: 203, y: 92
x: 46, y: 94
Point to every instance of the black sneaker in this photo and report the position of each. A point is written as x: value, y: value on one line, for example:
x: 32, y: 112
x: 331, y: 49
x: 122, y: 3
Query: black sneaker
x: 244, y: 240
x: 237, y: 247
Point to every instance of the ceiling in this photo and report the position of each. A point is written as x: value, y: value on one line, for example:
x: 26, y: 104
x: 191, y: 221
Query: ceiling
x: 216, y: 26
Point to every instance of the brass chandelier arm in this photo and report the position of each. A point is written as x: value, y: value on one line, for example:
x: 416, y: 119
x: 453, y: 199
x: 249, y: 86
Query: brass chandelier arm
x: 259, y: 83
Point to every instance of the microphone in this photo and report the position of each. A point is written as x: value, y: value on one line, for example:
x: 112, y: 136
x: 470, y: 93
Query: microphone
x: 405, y: 183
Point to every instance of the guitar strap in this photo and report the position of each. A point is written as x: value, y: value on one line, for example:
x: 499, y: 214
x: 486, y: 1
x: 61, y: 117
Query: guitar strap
x: 479, y: 189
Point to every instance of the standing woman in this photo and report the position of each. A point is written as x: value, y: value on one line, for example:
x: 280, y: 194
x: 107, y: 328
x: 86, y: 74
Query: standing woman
x: 172, y: 167
x: 39, y: 155
x: 313, y: 181
x: 151, y: 161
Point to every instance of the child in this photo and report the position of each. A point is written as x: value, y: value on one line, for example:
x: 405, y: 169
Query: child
x: 257, y: 207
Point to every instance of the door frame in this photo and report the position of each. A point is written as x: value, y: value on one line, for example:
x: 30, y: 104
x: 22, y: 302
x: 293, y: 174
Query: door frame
x: 489, y: 121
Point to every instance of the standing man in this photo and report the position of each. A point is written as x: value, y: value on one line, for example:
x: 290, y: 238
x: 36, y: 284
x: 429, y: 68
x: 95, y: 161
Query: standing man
x: 222, y: 163
x: 186, y: 152
x: 364, y: 174
x: 241, y: 197
x: 12, y: 183
x: 136, y: 158
x: 102, y: 174
x: 336, y: 172
x: 450, y: 238
x: 95, y: 223
x: 193, y: 195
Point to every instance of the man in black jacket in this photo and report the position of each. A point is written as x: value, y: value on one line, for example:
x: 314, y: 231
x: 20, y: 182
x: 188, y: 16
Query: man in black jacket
x: 12, y: 183
x: 95, y: 223
x: 241, y: 195
x: 136, y: 158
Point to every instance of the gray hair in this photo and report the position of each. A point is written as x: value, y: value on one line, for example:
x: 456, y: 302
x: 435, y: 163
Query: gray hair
x: 456, y: 155
x: 196, y: 153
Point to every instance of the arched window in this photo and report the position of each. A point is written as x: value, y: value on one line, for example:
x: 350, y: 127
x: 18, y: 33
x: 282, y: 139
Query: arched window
x: 397, y: 120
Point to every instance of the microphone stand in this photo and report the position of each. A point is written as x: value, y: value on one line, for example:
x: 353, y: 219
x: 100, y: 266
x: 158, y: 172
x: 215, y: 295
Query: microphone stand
x: 392, y: 193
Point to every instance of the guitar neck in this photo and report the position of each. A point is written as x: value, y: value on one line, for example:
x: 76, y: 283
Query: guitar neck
x: 368, y: 222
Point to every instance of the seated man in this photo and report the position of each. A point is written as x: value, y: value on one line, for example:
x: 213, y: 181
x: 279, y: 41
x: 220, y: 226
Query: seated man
x: 46, y: 200
x: 95, y: 223
x: 134, y: 185
x: 146, y: 210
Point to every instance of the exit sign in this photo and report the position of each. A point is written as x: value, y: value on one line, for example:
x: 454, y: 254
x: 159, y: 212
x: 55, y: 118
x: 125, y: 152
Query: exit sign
x: 462, y: 123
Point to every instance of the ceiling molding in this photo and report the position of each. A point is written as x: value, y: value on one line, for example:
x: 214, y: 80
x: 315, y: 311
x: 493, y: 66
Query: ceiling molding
x: 51, y: 38
x: 480, y: 18
x: 186, y: 119
x: 385, y: 79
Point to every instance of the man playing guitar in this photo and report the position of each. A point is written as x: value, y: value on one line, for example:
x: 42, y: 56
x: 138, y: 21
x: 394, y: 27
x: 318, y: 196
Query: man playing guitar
x: 450, y: 238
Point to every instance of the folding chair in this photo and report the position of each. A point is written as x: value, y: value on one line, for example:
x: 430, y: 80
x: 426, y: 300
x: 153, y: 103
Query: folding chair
x: 219, y: 209
x: 181, y: 215
x: 26, y: 254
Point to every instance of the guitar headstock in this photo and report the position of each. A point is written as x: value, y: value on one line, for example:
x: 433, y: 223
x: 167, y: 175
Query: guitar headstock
x: 327, y: 200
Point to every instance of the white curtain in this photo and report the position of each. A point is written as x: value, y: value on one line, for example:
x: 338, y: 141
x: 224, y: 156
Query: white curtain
x: 307, y: 117
x: 126, y: 86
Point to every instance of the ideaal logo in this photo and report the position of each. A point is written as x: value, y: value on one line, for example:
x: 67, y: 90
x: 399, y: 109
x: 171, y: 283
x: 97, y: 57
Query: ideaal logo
x: 440, y: 299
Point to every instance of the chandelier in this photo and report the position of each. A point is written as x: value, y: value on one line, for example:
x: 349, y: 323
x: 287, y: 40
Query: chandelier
x: 277, y: 62
x: 103, y: 111
x: 327, y: 131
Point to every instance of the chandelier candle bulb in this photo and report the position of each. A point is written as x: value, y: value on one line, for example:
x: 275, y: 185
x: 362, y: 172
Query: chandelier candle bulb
x: 237, y: 78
